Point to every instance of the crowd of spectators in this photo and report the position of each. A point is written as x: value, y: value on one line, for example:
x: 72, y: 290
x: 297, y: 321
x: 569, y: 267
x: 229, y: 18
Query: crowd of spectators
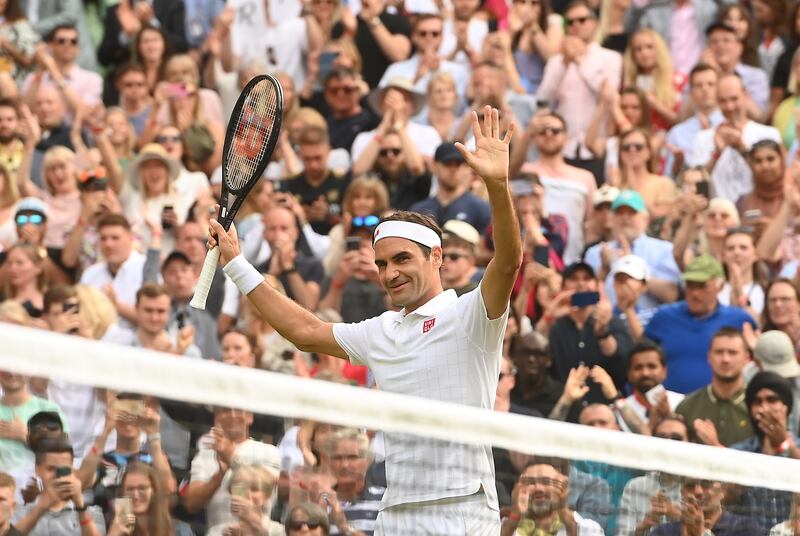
x: 654, y: 172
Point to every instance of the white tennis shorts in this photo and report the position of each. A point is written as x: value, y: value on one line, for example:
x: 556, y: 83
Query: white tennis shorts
x: 457, y: 516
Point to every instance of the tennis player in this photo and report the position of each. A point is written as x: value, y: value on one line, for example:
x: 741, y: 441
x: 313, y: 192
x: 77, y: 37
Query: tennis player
x: 439, y: 346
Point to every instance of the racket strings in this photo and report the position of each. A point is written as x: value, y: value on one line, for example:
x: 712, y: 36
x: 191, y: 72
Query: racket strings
x: 253, y: 128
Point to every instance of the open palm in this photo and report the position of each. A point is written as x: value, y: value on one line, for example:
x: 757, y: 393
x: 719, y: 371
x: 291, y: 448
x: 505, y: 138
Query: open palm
x: 490, y: 159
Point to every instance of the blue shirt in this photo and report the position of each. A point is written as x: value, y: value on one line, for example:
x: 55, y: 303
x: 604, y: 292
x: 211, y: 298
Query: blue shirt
x: 686, y: 339
x: 469, y: 208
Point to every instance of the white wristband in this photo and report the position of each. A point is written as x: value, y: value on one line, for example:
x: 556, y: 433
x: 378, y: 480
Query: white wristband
x: 243, y: 274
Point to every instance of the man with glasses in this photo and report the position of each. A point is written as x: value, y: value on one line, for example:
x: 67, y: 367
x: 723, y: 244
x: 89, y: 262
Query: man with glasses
x: 572, y: 79
x: 131, y: 83
x: 722, y: 149
x: 454, y: 200
x: 701, y: 513
x: 346, y: 117
x: 58, y: 67
x: 568, y: 190
x: 540, y: 503
x: 426, y: 37
x: 535, y: 389
x: 458, y: 257
x: 407, y: 183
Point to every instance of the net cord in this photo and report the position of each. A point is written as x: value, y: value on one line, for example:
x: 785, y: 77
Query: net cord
x: 39, y: 353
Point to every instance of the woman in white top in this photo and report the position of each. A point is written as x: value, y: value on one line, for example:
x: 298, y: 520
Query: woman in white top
x: 9, y: 197
x: 745, y: 277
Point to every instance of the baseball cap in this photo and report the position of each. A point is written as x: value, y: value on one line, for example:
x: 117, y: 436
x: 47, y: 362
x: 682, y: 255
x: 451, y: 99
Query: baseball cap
x: 629, y: 198
x: 447, y: 152
x: 631, y: 265
x: 702, y: 269
x: 463, y: 230
x: 775, y: 351
x: 32, y: 204
x: 576, y: 266
x: 605, y: 194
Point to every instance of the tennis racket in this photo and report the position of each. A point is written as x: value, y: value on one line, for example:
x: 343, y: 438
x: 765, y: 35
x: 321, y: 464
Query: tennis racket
x: 249, y: 141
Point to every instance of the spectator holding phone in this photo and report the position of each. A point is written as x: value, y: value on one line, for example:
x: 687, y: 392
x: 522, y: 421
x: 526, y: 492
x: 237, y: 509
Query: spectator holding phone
x: 251, y: 489
x: 142, y: 507
x: 52, y: 513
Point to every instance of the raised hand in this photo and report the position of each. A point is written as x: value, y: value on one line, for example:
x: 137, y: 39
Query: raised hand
x: 490, y: 159
x: 228, y: 242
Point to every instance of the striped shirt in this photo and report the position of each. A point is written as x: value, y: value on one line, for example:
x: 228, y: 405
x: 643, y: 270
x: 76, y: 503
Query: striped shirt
x: 362, y: 513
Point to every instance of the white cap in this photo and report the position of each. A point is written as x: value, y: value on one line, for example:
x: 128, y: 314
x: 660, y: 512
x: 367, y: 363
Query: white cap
x: 775, y: 351
x: 605, y: 194
x: 631, y: 265
x: 463, y: 230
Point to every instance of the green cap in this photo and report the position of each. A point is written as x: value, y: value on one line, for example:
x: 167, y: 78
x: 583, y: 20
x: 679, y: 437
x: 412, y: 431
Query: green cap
x: 703, y: 268
x: 629, y: 198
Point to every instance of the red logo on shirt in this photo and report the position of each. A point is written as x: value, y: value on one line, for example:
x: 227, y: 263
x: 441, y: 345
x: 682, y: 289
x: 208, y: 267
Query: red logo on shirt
x: 428, y: 325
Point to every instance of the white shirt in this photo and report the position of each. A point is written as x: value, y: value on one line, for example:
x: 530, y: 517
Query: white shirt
x: 673, y: 399
x: 280, y: 47
x: 446, y: 350
x: 586, y: 527
x: 568, y: 198
x: 731, y: 177
x: 126, y: 282
x: 425, y: 137
x: 408, y: 69
x: 204, y: 465
x: 476, y: 33
x: 752, y: 292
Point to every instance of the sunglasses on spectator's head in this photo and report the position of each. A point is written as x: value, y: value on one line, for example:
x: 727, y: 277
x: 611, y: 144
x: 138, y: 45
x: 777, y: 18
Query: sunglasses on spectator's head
x: 24, y: 219
x: 366, y: 221
x: 394, y: 151
x: 297, y: 525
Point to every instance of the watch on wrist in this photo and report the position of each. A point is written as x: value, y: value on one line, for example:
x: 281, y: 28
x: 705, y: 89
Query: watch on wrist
x: 374, y: 22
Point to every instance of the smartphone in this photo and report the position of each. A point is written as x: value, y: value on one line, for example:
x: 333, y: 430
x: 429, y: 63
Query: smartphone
x: 585, y: 299
x: 180, y: 318
x: 703, y: 188
x: 131, y: 407
x: 326, y: 61
x: 239, y: 490
x: 752, y: 214
x: 166, y: 224
x: 353, y: 243
x: 178, y: 90
x: 655, y: 394
x: 63, y: 471
x: 541, y: 255
x: 123, y: 506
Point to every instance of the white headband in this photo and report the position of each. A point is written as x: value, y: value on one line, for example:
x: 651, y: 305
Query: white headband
x: 408, y: 230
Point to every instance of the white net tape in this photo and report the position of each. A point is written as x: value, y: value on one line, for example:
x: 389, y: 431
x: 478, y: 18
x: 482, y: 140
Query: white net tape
x: 39, y: 353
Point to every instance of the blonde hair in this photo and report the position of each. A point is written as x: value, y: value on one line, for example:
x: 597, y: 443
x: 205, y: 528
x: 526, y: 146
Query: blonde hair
x: 309, y: 116
x: 793, y: 85
x: 183, y: 60
x: 37, y: 257
x: 604, y: 23
x: 254, y: 474
x: 96, y: 310
x: 374, y: 186
x: 727, y: 206
x: 130, y: 143
x: 12, y: 312
x: 10, y: 189
x: 664, y: 89
x: 57, y: 155
x: 347, y: 47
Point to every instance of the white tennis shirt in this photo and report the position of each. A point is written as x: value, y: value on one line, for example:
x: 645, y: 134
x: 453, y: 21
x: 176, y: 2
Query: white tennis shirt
x: 446, y: 350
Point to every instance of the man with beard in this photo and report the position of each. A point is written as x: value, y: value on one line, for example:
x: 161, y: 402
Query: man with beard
x: 716, y: 413
x: 10, y: 144
x: 647, y: 370
x: 540, y: 503
x: 535, y: 389
x: 702, y: 513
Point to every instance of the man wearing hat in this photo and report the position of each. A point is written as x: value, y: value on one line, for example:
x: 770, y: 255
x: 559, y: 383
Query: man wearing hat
x: 599, y: 226
x: 400, y: 99
x: 629, y: 223
x: 774, y: 352
x: 454, y: 200
x: 770, y: 402
x: 426, y: 36
x: 459, y: 245
x: 685, y: 328
x: 629, y: 274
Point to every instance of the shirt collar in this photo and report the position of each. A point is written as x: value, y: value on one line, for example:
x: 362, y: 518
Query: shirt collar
x: 736, y: 399
x: 432, y: 306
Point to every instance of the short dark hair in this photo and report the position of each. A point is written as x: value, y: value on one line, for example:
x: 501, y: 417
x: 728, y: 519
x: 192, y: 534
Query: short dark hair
x: 647, y: 345
x: 580, y: 3
x: 57, y: 445
x: 730, y: 332
x: 553, y: 113
x: 6, y: 102
x: 338, y: 73
x: 128, y: 67
x: 422, y: 17
x: 114, y: 220
x: 700, y: 68
x: 150, y: 290
x: 58, y: 294
x: 51, y: 36
x: 414, y: 217
x: 529, y: 343
x: 559, y: 464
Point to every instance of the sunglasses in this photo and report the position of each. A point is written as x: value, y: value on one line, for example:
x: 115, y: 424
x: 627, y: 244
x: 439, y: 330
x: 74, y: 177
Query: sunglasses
x: 164, y: 139
x: 453, y: 256
x: 541, y: 480
x: 297, y: 525
x: 64, y: 41
x: 49, y: 426
x: 366, y: 221
x: 429, y: 33
x: 390, y: 151
x: 528, y: 2
x: 577, y: 20
x: 674, y: 437
x: 705, y: 484
x: 552, y: 131
x: 24, y: 219
x: 628, y: 147
x: 349, y: 90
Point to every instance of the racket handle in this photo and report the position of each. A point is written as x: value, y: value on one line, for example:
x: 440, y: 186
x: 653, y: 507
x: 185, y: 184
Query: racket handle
x: 206, y: 277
